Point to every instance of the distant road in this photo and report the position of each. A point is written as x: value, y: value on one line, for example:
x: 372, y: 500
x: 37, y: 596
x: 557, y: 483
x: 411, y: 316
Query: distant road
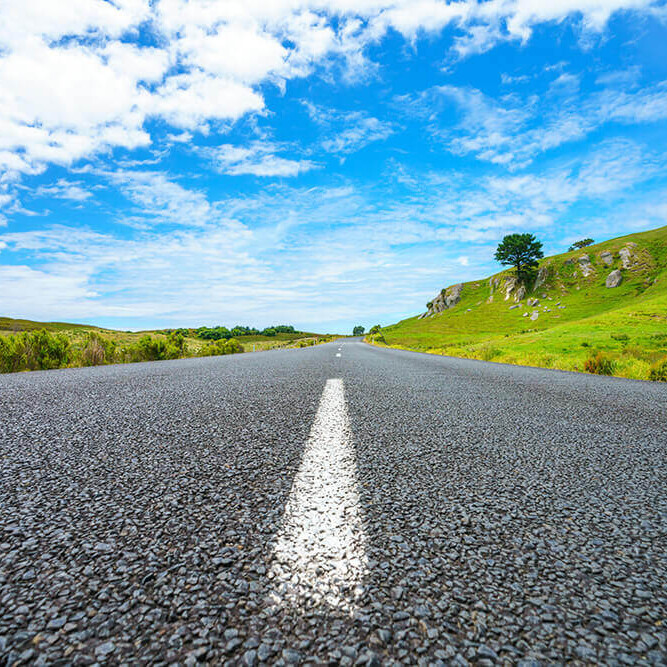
x: 341, y: 503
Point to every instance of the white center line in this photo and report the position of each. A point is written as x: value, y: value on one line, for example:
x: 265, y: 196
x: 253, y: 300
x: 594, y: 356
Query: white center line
x: 319, y: 554
x: 338, y: 354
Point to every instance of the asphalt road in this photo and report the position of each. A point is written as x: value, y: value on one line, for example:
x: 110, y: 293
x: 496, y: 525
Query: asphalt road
x: 373, y: 507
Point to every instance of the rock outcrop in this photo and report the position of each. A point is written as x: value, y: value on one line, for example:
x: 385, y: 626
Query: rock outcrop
x: 614, y: 279
x: 607, y: 258
x: 585, y: 265
x: 627, y: 255
x: 447, y: 298
x: 509, y: 286
x: 542, y: 275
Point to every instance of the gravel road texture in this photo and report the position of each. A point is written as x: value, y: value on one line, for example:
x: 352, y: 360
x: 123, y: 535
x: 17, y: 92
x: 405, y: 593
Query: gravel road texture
x: 487, y: 513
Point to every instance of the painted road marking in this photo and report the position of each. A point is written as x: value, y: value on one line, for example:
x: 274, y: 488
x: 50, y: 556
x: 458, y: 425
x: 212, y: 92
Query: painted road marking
x: 319, y: 554
x: 338, y: 354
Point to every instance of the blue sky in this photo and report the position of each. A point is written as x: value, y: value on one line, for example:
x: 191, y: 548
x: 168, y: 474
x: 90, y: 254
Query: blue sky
x: 323, y: 163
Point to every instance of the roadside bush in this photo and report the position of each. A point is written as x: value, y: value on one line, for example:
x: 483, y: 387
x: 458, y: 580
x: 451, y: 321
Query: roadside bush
x: 599, y: 364
x: 175, y: 345
x: 10, y: 354
x: 98, y: 350
x: 488, y: 352
x: 34, y: 350
x: 658, y: 372
x: 220, y: 347
x: 147, y: 348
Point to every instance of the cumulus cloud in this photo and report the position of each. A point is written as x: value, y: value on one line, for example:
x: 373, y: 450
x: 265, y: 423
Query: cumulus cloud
x: 73, y: 85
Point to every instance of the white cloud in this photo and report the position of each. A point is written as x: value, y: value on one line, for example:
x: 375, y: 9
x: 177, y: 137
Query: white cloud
x: 63, y: 189
x: 71, y: 87
x: 256, y: 159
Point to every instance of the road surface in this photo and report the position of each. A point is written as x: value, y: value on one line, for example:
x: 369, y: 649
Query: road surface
x: 343, y: 504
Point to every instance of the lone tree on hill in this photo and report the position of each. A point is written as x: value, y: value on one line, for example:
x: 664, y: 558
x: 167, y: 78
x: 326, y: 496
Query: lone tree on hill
x: 522, y: 251
x: 358, y: 331
x: 578, y: 245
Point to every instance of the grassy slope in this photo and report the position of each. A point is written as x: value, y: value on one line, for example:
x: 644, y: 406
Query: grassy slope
x: 628, y: 323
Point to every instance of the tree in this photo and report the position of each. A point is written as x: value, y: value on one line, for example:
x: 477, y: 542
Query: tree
x: 375, y: 330
x: 522, y: 251
x: 578, y: 245
x: 358, y: 331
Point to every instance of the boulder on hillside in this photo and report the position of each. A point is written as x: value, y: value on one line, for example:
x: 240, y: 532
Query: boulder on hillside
x: 626, y: 254
x: 585, y: 265
x: 614, y: 279
x: 607, y: 258
x: 534, y: 315
x: 520, y: 293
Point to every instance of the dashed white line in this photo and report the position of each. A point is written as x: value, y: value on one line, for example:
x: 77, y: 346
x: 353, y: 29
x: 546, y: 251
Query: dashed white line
x: 338, y: 354
x: 319, y: 554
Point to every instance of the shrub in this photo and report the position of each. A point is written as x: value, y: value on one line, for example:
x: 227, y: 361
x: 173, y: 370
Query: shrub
x: 599, y: 364
x: 98, y: 350
x: 147, y: 348
x: 487, y: 352
x: 658, y: 372
x: 621, y: 337
x: 585, y: 344
x: 217, y: 348
x: 36, y: 350
x: 175, y: 345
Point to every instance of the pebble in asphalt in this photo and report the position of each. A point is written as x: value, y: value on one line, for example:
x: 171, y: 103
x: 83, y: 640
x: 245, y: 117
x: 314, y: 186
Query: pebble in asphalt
x: 509, y: 515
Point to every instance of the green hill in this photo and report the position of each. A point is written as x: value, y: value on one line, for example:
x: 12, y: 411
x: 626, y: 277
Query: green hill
x: 577, y: 319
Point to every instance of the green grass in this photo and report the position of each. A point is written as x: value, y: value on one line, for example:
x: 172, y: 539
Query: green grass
x: 628, y: 324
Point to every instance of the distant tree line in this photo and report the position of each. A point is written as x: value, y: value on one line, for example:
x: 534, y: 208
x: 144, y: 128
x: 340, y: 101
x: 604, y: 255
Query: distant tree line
x: 223, y: 333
